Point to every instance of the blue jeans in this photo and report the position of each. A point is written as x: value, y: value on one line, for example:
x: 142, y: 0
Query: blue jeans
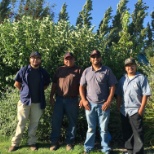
x: 94, y: 116
x: 69, y: 107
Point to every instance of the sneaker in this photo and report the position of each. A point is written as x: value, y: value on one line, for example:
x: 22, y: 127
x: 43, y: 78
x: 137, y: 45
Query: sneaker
x: 54, y: 147
x: 33, y: 147
x: 13, y: 148
x: 69, y: 147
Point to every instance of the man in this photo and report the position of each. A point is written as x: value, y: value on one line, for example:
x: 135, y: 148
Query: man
x: 97, y: 87
x: 65, y: 87
x: 31, y: 81
x: 132, y: 93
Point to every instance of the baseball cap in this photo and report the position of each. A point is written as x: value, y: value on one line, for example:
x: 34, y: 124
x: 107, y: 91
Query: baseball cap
x: 95, y: 52
x: 68, y: 54
x: 35, y: 54
x: 129, y: 61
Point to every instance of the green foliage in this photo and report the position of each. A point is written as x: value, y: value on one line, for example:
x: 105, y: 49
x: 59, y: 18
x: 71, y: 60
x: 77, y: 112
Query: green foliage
x: 19, y: 39
x: 84, y: 18
x: 4, y: 10
x: 8, y: 105
x: 63, y: 15
x: 38, y: 9
x: 125, y: 38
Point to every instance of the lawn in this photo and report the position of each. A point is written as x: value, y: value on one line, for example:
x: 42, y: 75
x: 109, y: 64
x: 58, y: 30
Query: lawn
x: 44, y: 149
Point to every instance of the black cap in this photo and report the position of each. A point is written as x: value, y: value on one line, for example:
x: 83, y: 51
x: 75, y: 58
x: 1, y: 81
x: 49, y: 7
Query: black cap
x: 129, y: 61
x: 95, y: 52
x: 68, y: 54
x: 35, y: 54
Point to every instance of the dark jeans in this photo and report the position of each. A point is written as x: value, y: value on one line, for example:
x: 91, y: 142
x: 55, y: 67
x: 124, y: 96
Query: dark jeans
x: 69, y: 107
x: 133, y: 133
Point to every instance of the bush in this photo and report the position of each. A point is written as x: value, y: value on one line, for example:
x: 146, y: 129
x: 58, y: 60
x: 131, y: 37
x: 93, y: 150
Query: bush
x: 8, y: 121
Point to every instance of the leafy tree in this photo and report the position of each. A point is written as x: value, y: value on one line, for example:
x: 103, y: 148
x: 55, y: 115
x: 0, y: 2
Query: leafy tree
x: 116, y: 23
x: 63, y: 15
x: 137, y: 29
x: 122, y: 49
x: 105, y: 30
x: 35, y: 8
x: 104, y: 24
x: 4, y: 10
x: 84, y: 18
x: 152, y: 22
x: 149, y: 39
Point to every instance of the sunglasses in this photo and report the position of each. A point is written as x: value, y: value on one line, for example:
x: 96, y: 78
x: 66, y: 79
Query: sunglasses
x: 95, y: 56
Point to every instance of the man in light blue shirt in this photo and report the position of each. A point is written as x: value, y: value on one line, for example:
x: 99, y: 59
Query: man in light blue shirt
x: 132, y: 93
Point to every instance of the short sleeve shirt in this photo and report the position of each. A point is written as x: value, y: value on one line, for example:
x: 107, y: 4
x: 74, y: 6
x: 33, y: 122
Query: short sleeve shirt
x: 98, y: 83
x: 131, y: 91
x: 67, y: 81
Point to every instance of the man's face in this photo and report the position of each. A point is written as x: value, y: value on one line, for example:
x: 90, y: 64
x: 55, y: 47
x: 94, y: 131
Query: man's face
x: 131, y: 69
x: 69, y: 61
x: 95, y: 59
x: 35, y: 61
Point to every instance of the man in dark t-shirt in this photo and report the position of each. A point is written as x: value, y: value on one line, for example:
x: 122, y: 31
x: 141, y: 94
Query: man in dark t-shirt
x: 31, y: 81
x: 66, y: 88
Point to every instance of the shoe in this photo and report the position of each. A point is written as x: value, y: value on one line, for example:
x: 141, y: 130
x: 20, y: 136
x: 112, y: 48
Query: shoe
x: 69, y: 147
x: 33, y: 147
x: 13, y: 148
x: 54, y: 147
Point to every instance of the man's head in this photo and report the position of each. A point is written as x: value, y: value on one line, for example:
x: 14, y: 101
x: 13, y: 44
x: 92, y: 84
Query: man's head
x: 35, y: 59
x: 69, y: 59
x: 130, y: 66
x: 95, y: 57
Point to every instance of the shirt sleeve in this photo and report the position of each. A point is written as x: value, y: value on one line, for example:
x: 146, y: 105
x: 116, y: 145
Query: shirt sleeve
x: 145, y: 87
x: 111, y: 78
x: 18, y: 77
x: 83, y: 79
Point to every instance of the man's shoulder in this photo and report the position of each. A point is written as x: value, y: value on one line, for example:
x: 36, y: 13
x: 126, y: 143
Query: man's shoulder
x: 88, y: 68
x: 106, y: 67
x: 24, y: 68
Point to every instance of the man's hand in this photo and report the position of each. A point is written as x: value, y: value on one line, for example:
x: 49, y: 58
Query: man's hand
x: 86, y: 105
x: 80, y: 104
x: 106, y: 105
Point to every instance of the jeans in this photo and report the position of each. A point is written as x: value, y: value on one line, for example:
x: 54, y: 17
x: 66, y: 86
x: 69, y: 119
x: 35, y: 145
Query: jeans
x: 94, y: 116
x: 69, y: 107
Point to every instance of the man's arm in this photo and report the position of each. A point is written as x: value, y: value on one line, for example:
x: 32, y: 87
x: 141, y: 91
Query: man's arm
x: 82, y: 91
x: 143, y: 103
x: 17, y: 85
x: 107, y: 104
x: 119, y: 101
x: 53, y: 90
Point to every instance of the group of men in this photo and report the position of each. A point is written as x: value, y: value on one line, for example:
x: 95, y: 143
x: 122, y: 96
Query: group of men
x: 96, y: 86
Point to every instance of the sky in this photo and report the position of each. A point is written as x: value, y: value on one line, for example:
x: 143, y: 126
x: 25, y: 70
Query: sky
x: 99, y: 8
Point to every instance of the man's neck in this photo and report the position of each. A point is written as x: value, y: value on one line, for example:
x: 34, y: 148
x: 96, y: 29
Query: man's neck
x: 96, y: 67
x: 35, y: 67
x: 131, y: 75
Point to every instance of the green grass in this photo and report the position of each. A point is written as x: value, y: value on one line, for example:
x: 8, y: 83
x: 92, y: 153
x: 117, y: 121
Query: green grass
x: 44, y: 149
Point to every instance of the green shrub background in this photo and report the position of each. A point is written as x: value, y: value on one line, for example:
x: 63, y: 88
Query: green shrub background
x: 19, y: 39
